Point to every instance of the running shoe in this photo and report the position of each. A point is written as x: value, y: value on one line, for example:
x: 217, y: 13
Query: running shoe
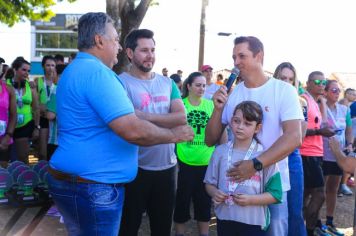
x: 320, y: 232
x: 332, y: 229
x: 345, y: 190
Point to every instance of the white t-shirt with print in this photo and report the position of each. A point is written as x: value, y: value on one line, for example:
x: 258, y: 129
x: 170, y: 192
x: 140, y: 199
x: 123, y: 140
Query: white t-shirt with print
x: 279, y: 101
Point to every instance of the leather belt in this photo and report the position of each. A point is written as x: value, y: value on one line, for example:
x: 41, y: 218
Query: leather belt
x: 59, y: 175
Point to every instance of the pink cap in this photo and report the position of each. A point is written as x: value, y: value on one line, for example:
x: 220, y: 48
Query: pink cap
x: 205, y: 67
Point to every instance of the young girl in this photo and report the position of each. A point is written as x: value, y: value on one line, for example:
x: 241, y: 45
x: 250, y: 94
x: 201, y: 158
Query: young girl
x: 241, y: 208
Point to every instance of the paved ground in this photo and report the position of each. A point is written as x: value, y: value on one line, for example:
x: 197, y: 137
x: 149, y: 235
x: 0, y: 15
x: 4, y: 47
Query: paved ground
x: 50, y: 226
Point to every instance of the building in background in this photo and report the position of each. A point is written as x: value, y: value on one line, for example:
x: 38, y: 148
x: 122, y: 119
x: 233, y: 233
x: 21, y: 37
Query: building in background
x: 58, y: 36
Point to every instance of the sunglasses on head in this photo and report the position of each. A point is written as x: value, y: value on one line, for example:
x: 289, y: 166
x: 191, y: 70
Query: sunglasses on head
x: 335, y: 90
x: 320, y: 82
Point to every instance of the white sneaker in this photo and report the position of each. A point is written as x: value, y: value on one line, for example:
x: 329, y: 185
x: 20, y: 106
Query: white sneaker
x: 345, y: 190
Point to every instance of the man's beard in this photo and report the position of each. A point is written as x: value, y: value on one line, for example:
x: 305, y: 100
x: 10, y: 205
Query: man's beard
x: 141, y: 67
x: 144, y: 69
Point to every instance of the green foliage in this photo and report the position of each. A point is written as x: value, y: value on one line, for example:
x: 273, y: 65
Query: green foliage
x: 13, y: 11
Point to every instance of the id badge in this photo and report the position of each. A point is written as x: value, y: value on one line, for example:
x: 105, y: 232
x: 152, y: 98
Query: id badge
x: 229, y: 200
x: 2, y: 127
x: 20, y: 119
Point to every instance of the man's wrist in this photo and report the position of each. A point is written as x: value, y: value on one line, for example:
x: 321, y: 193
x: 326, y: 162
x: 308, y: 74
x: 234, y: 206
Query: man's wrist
x: 257, y: 165
x: 317, y: 132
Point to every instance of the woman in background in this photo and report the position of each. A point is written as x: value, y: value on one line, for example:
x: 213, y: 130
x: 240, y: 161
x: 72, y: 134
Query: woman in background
x: 286, y: 72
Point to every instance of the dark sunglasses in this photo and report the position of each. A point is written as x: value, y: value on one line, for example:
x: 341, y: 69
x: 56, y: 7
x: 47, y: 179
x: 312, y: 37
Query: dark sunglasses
x: 335, y: 90
x: 320, y: 82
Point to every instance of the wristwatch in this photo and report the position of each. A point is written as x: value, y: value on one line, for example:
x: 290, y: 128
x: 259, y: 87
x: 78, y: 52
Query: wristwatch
x: 257, y: 164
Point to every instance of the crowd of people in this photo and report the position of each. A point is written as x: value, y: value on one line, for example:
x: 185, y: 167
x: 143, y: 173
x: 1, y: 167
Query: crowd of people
x: 266, y: 155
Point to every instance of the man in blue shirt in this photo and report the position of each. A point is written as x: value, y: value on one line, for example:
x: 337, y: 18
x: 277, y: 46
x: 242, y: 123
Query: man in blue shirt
x: 98, y: 133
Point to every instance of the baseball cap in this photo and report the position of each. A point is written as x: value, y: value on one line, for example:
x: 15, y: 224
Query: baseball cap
x: 205, y: 67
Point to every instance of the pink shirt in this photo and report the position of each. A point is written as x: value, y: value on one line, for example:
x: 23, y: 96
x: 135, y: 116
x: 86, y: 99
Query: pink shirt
x: 312, y: 145
x: 4, y: 109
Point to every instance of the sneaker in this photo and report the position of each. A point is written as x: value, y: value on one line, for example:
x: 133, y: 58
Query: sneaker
x: 53, y: 211
x: 332, y: 229
x: 345, y: 190
x: 320, y: 232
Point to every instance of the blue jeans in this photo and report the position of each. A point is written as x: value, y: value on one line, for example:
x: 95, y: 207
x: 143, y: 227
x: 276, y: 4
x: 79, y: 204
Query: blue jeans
x: 296, y: 224
x: 88, y: 209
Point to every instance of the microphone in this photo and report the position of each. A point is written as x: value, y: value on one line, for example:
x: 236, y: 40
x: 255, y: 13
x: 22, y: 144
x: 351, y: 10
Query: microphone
x: 234, y: 74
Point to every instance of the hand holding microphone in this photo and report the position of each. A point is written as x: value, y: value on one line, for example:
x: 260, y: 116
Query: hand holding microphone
x: 220, y: 97
x: 235, y: 72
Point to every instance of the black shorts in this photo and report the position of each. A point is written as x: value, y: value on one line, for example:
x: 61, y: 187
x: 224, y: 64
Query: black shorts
x: 191, y: 187
x: 331, y: 168
x: 5, y: 155
x: 313, y: 172
x: 25, y: 131
x: 44, y: 123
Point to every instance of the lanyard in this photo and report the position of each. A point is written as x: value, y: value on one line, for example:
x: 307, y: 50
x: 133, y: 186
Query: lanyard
x: 18, y: 93
x: 49, y: 91
x: 232, y: 185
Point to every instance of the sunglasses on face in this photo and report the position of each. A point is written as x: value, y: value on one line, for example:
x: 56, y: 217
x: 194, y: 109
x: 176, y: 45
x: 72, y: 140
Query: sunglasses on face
x: 335, y: 90
x: 320, y: 82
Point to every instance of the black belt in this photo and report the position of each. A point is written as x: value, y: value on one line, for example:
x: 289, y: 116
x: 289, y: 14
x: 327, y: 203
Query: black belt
x: 59, y: 175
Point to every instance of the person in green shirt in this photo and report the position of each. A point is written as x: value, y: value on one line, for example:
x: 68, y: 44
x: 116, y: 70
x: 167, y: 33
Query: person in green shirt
x: 27, y: 127
x: 193, y: 158
x: 45, y: 88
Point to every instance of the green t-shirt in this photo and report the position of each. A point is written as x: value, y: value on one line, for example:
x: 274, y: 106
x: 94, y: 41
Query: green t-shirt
x: 51, y: 106
x: 196, y: 152
x: 175, y: 91
x: 41, y: 89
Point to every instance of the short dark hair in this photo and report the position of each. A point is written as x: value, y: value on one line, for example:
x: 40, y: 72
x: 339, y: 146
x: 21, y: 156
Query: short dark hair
x: 136, y: 34
x: 176, y: 78
x: 60, y: 68
x: 59, y: 57
x: 254, y: 44
x: 73, y: 55
x: 47, y: 57
x: 348, y: 90
x: 314, y: 73
x: 91, y: 24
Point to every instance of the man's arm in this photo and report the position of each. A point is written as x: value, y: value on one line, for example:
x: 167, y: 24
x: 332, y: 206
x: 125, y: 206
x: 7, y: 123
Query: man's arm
x: 144, y: 133
x: 284, y: 145
x: 175, y: 117
x: 214, y: 129
x: 348, y: 164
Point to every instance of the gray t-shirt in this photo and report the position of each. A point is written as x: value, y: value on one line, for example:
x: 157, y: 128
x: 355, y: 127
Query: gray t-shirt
x: 153, y: 96
x: 210, y: 90
x: 336, y: 119
x: 268, y: 180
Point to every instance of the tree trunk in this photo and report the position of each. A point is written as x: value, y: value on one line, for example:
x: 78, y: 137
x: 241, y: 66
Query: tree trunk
x: 128, y: 16
x: 204, y: 3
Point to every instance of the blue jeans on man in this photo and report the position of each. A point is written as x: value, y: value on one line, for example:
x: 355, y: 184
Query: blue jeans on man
x: 88, y: 208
